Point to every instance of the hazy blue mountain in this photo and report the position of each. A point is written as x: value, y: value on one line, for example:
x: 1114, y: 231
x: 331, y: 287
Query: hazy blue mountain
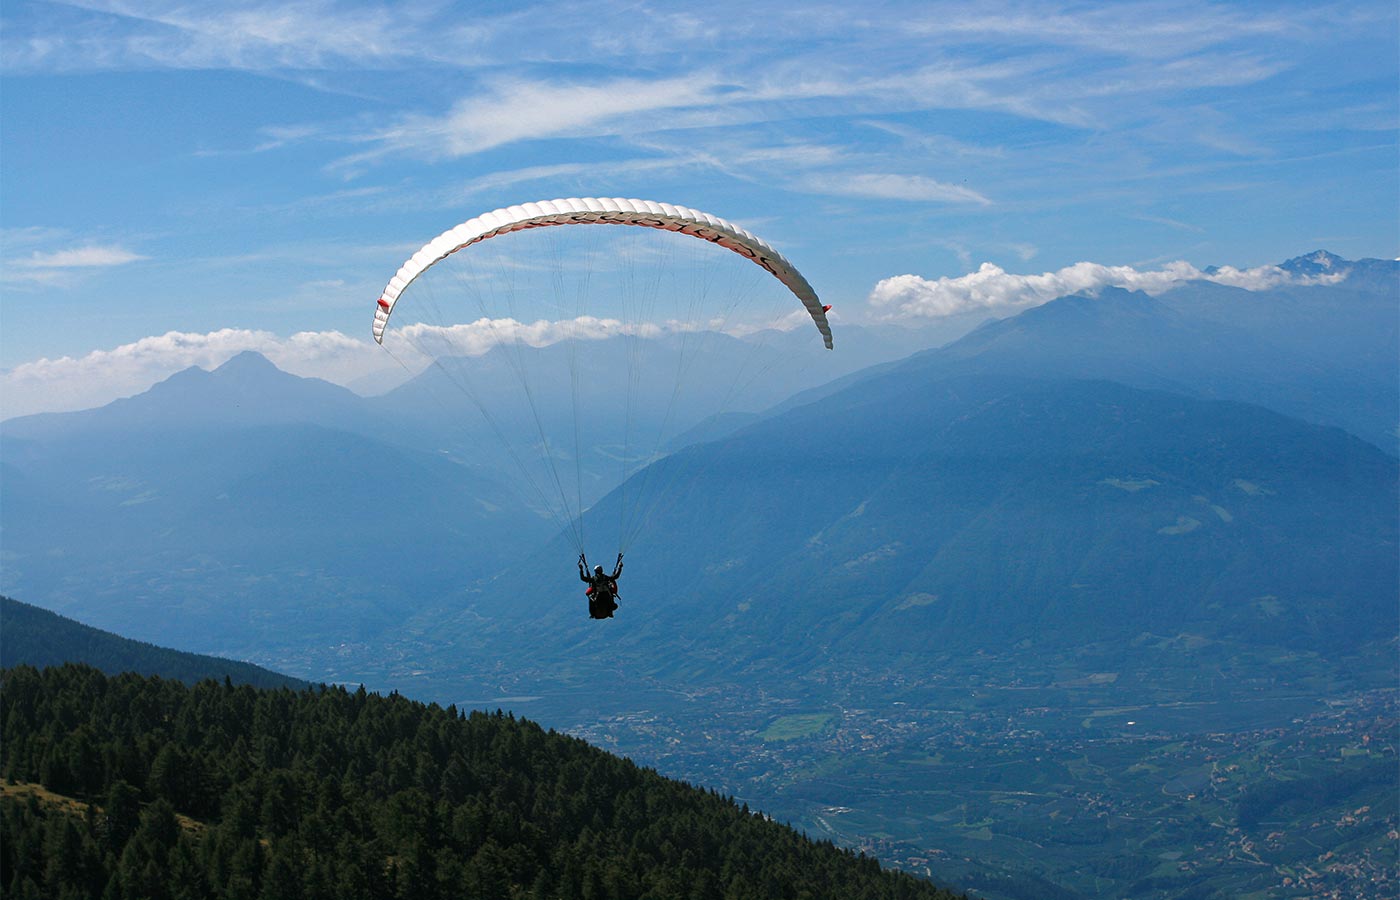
x: 36, y: 637
x: 1335, y: 346
x: 911, y: 512
x: 247, y: 390
x: 180, y: 516
x: 1325, y: 353
x: 1069, y: 474
x: 247, y: 507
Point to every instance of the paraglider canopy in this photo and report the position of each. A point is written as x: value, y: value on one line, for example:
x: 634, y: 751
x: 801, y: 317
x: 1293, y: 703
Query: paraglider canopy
x: 593, y: 211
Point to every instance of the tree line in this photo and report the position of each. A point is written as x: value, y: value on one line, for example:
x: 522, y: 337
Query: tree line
x: 227, y: 791
x: 38, y: 637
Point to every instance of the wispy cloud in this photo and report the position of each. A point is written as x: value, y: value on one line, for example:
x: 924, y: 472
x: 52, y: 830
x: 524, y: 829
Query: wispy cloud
x: 698, y: 102
x: 1170, y: 223
x: 249, y: 36
x: 994, y: 290
x: 517, y: 110
x: 1140, y: 30
x: 885, y: 186
x: 79, y: 258
x: 702, y: 98
x: 24, y: 265
x: 701, y: 73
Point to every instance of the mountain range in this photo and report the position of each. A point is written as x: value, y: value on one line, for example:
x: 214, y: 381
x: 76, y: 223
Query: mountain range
x: 1097, y: 469
x: 242, y: 503
x: 1114, y: 462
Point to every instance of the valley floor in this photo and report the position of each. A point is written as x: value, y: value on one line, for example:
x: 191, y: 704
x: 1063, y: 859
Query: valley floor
x: 1187, y: 768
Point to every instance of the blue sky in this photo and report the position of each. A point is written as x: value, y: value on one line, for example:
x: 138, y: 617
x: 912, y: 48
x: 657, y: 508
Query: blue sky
x: 180, y: 181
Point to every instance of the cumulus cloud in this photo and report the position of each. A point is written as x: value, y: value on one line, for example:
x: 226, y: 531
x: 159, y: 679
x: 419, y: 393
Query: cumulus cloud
x: 70, y: 383
x: 993, y: 290
x: 484, y: 335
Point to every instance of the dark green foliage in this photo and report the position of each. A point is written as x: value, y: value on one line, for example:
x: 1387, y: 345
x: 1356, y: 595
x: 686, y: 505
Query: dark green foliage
x: 329, y: 793
x: 36, y: 637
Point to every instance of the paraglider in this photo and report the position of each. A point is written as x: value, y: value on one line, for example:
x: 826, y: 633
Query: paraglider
x: 602, y: 588
x: 666, y: 217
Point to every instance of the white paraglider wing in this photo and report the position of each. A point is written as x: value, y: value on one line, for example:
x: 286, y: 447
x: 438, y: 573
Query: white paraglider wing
x: 592, y: 211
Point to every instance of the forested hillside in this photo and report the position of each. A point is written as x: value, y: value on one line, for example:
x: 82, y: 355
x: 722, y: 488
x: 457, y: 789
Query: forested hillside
x: 37, y: 637
x: 143, y: 787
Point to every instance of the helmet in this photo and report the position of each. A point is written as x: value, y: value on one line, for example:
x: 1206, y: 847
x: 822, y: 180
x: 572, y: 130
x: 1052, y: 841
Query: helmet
x: 598, y: 569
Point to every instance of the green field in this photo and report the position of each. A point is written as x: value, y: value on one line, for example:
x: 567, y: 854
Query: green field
x: 797, y: 726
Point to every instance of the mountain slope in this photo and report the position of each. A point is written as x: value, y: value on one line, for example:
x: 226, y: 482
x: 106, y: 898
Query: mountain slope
x: 32, y: 636
x: 911, y: 510
x: 1321, y: 352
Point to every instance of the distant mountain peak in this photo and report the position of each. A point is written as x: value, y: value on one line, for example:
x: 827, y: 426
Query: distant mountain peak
x: 249, y: 362
x: 1318, y: 262
x: 1109, y: 302
x: 242, y: 372
x: 247, y: 389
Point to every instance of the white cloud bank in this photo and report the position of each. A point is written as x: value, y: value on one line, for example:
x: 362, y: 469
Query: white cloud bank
x: 993, y: 290
x: 484, y: 335
x: 419, y: 341
x: 71, y: 383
